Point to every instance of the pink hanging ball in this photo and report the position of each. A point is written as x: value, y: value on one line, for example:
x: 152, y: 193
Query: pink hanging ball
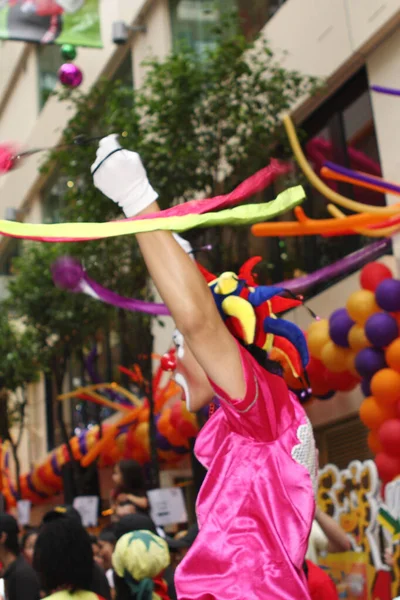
x: 7, y: 161
x: 70, y: 75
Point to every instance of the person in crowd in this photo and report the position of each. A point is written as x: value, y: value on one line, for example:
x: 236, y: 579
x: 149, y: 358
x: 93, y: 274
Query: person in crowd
x: 64, y: 561
x: 139, y: 560
x: 99, y: 584
x: 320, y: 584
x: 96, y: 550
x: 181, y: 544
x: 258, y: 446
x: 28, y: 544
x: 129, y: 485
x: 20, y: 580
x: 107, y: 540
x: 142, y: 522
x: 326, y: 536
x: 123, y: 509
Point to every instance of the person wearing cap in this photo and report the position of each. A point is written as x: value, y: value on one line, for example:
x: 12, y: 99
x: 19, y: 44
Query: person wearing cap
x: 99, y: 583
x: 256, y: 505
x: 20, y: 580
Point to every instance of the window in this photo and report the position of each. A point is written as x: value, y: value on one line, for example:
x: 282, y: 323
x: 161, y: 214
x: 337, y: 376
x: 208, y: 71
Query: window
x: 342, y: 131
x: 49, y: 61
x: 193, y: 21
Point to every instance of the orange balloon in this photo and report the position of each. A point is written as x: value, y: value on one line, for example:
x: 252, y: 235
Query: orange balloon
x: 392, y: 355
x: 373, y: 442
x: 385, y: 386
x: 317, y: 337
x: 357, y: 338
x: 334, y: 358
x: 373, y: 414
x: 361, y: 305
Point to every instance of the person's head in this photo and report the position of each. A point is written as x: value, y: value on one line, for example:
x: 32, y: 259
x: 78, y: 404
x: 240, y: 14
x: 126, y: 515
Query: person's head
x: 106, y: 542
x: 181, y: 543
x: 8, y: 536
x: 63, y: 556
x: 139, y: 557
x: 96, y: 550
x: 136, y: 522
x: 123, y: 509
x: 28, y: 544
x: 63, y: 511
x: 128, y: 477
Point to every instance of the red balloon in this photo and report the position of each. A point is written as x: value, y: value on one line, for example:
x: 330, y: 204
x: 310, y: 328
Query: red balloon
x: 373, y: 274
x: 389, y: 437
x: 388, y: 466
x: 342, y: 382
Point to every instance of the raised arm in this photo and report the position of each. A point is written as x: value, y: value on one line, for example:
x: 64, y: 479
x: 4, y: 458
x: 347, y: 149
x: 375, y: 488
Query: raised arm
x: 120, y: 175
x: 337, y: 539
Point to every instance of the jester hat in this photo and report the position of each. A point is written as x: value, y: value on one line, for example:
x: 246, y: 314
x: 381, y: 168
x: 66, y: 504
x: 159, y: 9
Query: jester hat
x: 250, y: 313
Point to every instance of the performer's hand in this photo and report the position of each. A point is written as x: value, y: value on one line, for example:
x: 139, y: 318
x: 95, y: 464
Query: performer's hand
x: 121, y: 176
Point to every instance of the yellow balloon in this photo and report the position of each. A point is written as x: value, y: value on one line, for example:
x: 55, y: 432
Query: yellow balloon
x: 361, y: 305
x: 350, y: 364
x: 317, y: 337
x: 357, y: 338
x: 334, y: 358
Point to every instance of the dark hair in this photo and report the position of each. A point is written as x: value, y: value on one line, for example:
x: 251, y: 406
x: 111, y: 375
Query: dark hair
x: 132, y: 477
x: 9, y: 526
x: 11, y: 543
x: 261, y: 356
x: 107, y: 534
x: 93, y: 539
x: 63, y: 556
x: 27, y: 535
x: 134, y: 522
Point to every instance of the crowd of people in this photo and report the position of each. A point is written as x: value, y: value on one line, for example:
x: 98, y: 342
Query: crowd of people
x: 129, y: 559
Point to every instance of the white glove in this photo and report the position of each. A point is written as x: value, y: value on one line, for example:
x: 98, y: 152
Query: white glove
x: 121, y: 176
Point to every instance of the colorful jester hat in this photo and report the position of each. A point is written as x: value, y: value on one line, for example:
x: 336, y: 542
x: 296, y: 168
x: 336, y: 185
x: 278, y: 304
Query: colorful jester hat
x: 250, y: 313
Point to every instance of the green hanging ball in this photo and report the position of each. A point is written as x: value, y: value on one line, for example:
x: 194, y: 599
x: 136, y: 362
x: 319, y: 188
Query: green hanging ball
x: 68, y: 52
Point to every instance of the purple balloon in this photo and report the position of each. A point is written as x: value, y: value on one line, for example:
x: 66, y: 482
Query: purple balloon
x: 366, y: 387
x: 339, y: 326
x: 388, y: 295
x: 162, y: 442
x: 369, y: 361
x: 381, y: 329
x: 70, y: 75
x: 67, y: 273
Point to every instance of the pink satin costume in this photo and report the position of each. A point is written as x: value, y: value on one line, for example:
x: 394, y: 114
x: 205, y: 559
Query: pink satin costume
x: 256, y: 505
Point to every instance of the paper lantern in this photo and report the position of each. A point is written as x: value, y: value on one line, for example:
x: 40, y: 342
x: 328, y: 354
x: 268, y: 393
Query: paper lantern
x: 373, y: 274
x: 381, y: 330
x: 357, y: 338
x: 389, y: 437
x: 385, y: 386
x: 361, y: 305
x: 373, y: 414
x: 388, y: 295
x: 392, y: 355
x: 334, y: 357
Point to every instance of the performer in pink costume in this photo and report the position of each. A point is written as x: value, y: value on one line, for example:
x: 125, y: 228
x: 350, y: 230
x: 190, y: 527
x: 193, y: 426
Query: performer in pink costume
x: 256, y: 506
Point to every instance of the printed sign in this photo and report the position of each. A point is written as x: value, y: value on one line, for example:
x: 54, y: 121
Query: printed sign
x: 167, y: 506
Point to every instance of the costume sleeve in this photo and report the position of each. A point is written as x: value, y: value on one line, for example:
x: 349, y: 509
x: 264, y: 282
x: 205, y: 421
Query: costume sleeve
x: 242, y: 405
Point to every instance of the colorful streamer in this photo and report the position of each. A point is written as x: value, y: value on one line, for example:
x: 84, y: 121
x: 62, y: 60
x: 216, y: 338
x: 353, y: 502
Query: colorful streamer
x: 331, y: 170
x: 380, y: 89
x: 321, y: 186
x: 176, y: 218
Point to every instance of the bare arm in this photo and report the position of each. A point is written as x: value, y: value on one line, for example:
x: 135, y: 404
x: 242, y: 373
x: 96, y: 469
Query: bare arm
x: 337, y: 539
x: 192, y: 306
